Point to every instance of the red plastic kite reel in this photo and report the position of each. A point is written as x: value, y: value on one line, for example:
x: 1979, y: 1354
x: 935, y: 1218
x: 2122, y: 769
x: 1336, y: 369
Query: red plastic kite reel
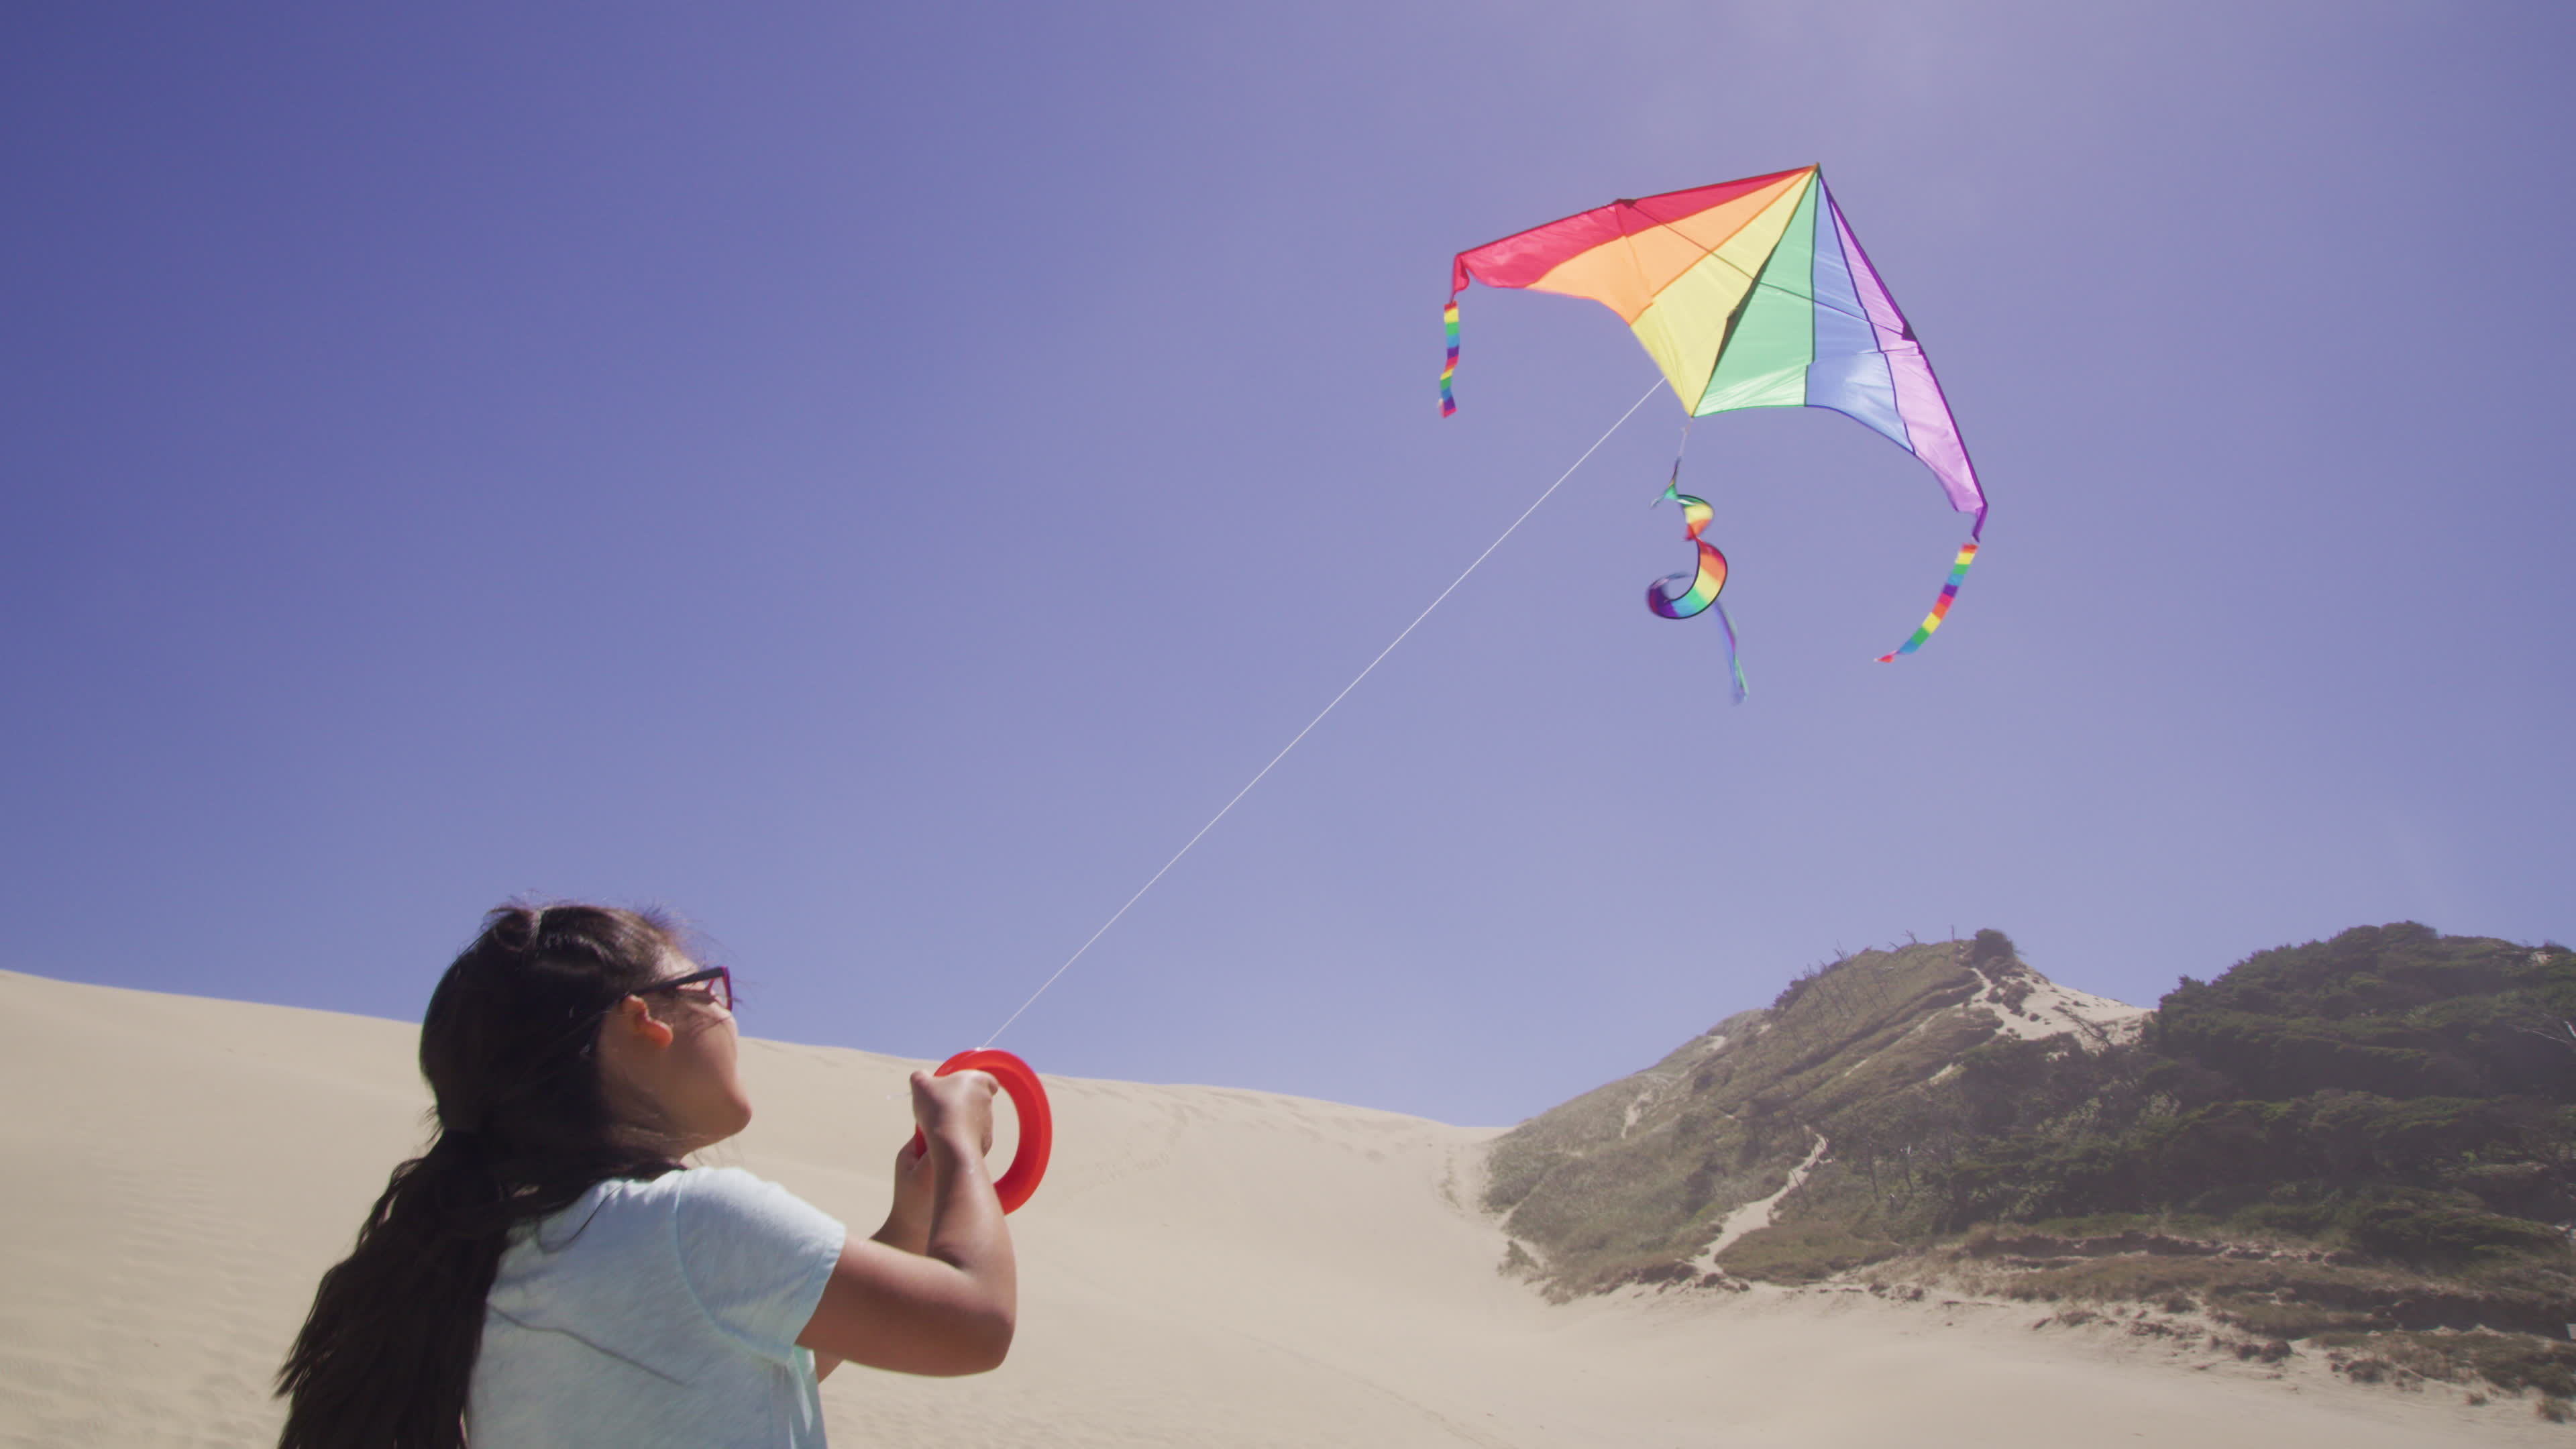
x: 1037, y: 1122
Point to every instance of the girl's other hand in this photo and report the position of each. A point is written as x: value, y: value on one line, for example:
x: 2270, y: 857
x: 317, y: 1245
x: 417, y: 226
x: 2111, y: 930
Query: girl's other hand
x: 916, y: 1179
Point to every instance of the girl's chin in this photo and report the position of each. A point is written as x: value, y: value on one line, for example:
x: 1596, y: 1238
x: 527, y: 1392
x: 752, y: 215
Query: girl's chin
x: 739, y: 1120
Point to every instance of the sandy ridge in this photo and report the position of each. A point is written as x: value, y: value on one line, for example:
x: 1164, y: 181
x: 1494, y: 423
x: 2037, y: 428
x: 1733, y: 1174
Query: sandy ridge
x: 1205, y: 1267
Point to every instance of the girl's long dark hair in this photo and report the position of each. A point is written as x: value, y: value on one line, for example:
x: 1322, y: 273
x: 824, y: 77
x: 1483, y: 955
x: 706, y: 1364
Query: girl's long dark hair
x: 523, y: 1129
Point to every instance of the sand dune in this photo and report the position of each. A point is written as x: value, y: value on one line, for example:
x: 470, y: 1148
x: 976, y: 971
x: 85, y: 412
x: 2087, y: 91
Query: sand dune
x: 1203, y: 1267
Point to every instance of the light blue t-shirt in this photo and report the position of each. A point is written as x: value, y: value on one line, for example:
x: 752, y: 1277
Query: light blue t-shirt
x: 661, y: 1312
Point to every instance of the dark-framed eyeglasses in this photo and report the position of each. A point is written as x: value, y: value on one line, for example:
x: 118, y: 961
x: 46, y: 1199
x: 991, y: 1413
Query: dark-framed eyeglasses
x: 714, y: 984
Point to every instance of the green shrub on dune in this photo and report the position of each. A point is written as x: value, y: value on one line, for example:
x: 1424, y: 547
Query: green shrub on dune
x: 2374, y: 1133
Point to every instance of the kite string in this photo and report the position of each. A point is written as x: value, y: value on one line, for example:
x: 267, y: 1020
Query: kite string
x: 1327, y: 709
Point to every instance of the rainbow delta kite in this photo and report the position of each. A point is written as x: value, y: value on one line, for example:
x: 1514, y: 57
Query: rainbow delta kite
x: 1748, y: 294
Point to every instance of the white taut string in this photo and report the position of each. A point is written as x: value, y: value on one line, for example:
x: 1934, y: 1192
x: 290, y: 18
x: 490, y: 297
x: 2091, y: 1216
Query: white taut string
x: 1327, y: 709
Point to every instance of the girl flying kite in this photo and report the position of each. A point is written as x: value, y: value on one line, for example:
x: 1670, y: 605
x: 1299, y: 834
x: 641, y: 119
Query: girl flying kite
x: 550, y: 1272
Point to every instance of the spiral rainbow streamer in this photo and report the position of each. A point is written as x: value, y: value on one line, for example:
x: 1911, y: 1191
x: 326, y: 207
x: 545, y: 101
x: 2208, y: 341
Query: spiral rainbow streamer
x: 1705, y: 585
x: 1694, y: 596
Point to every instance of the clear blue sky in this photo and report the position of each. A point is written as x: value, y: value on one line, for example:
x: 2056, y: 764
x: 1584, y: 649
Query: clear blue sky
x: 876, y: 478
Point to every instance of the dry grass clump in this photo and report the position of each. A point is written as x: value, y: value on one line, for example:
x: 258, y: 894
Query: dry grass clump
x: 2513, y: 1362
x: 1804, y: 1252
x: 2259, y: 1291
x: 2377, y: 1324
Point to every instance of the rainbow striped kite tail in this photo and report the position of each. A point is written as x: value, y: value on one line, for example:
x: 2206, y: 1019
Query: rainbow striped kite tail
x: 1449, y: 372
x: 1941, y: 605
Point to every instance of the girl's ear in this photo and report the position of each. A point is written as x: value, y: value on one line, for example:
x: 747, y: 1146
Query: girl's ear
x: 635, y: 1018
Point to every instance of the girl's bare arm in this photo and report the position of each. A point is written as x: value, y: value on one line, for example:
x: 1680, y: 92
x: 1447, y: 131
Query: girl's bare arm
x: 935, y: 1292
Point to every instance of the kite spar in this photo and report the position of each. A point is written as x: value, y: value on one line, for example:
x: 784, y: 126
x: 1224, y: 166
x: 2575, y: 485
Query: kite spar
x: 1747, y: 294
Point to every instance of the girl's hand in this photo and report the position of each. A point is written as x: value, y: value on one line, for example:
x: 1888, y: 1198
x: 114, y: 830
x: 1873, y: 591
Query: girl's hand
x: 958, y: 1106
x: 946, y: 1303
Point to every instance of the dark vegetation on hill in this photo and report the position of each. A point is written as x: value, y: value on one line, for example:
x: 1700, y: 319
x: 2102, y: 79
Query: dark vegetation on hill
x: 2360, y: 1141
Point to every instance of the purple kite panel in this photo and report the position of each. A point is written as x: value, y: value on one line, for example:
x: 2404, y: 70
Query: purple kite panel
x: 1929, y: 428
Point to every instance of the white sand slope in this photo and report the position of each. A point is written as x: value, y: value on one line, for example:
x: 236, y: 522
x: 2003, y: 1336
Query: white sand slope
x: 1203, y: 1267
x: 2048, y: 1009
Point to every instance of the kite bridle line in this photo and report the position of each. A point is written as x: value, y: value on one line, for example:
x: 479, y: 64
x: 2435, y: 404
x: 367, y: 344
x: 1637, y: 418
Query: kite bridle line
x: 1678, y: 451
x: 1328, y: 708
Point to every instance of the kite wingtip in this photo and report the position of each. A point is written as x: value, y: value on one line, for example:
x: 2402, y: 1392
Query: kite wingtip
x: 1884, y: 659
